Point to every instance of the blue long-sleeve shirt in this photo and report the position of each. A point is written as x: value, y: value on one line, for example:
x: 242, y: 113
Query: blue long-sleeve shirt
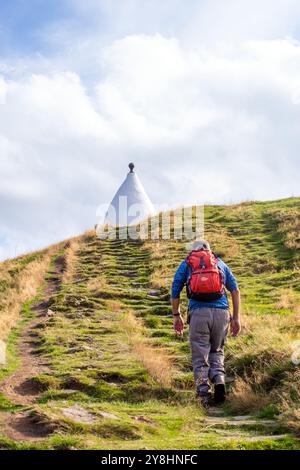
x: 182, y: 275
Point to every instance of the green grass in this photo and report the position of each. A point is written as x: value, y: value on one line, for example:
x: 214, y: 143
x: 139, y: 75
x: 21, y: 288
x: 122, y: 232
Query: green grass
x: 95, y: 364
x: 13, y: 360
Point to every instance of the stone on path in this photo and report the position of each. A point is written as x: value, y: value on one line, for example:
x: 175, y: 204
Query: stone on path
x: 103, y: 414
x: 78, y: 414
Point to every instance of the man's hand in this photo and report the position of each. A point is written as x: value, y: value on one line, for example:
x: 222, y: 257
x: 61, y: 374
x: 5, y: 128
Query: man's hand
x: 235, y: 327
x: 177, y: 318
x: 178, y: 325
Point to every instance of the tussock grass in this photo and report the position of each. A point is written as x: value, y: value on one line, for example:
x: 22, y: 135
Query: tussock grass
x: 221, y: 242
x: 157, y: 248
x: 98, y: 283
x: 22, y: 286
x: 113, y: 305
x: 243, y: 399
x: 290, y: 417
x: 70, y: 258
x: 288, y: 300
x: 157, y: 363
x: 261, y: 361
x: 164, y: 257
x: 160, y: 278
x: 288, y: 226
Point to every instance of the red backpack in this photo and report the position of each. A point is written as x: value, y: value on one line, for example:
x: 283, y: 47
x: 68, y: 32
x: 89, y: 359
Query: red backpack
x: 206, y: 280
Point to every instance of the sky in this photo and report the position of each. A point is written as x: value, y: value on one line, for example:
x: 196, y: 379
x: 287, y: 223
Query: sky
x: 202, y: 95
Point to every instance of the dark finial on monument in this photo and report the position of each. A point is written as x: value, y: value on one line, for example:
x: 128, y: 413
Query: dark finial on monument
x: 131, y: 167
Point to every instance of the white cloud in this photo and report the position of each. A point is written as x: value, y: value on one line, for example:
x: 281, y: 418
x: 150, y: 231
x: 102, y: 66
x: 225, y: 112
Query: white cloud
x: 205, y: 120
x: 199, y: 22
x: 216, y: 21
x: 208, y: 110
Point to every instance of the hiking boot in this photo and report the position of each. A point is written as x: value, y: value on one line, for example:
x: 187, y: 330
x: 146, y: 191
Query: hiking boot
x: 205, y: 402
x: 203, y: 388
x: 220, y: 394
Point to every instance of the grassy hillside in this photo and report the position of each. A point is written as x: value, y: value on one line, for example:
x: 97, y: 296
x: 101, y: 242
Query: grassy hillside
x: 108, y: 371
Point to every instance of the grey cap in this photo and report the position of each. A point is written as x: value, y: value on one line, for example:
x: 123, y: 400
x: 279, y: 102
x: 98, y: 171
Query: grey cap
x: 200, y: 245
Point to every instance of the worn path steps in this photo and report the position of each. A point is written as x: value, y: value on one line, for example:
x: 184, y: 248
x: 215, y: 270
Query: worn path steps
x: 127, y: 267
x: 238, y: 426
x: 101, y: 393
x: 20, y: 388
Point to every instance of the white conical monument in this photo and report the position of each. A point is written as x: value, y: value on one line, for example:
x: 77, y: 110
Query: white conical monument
x: 130, y: 204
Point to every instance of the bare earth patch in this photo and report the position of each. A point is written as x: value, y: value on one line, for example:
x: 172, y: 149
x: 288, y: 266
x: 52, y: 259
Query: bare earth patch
x: 25, y: 427
x: 20, y: 388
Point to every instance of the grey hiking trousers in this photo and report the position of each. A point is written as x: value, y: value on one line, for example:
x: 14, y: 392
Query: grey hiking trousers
x: 208, y: 331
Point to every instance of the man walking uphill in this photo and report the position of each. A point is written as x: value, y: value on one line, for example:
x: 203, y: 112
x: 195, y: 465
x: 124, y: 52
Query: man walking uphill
x: 206, y: 277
